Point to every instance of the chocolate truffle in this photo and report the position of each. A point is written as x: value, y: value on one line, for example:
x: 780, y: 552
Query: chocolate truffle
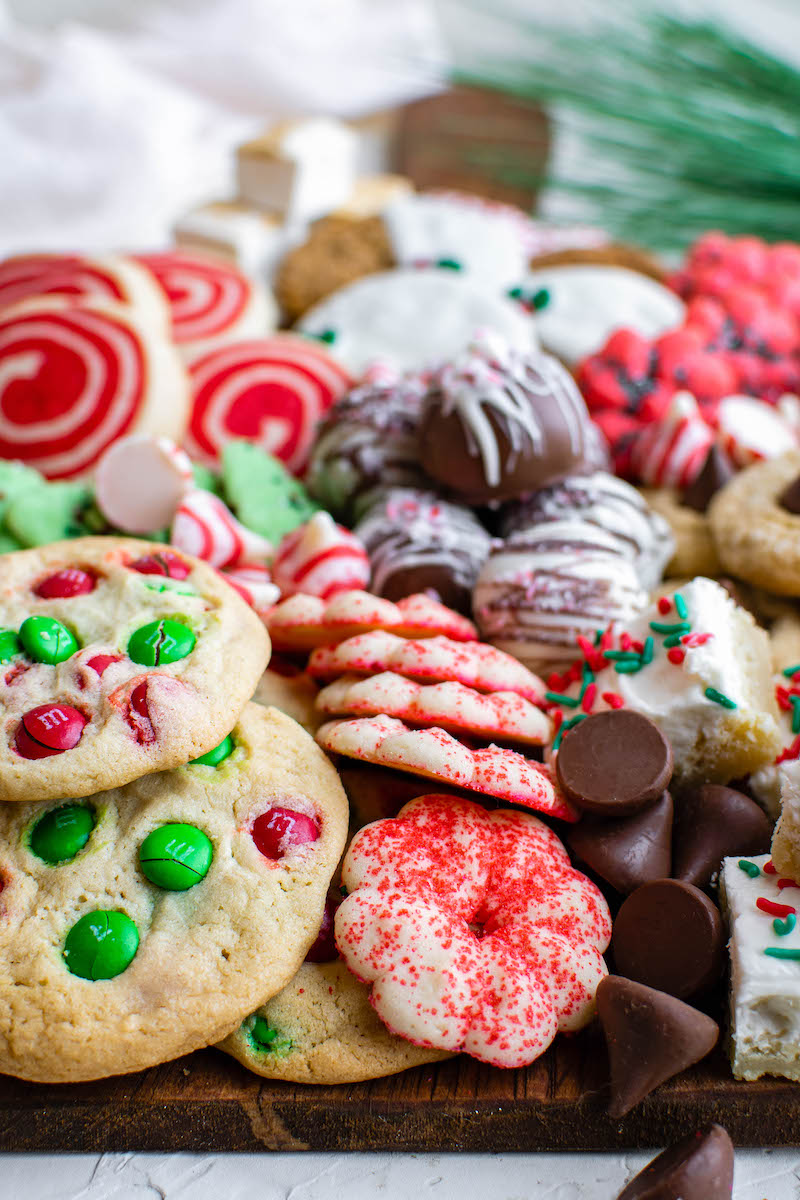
x: 498, y: 422
x: 417, y: 542
x: 619, y: 513
x: 368, y: 441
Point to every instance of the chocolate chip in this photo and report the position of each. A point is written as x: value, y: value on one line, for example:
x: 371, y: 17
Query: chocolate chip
x: 714, y: 474
x: 698, y: 1168
x: 614, y: 762
x: 669, y: 935
x: 711, y: 824
x: 650, y: 1037
x: 628, y: 851
x: 790, y: 497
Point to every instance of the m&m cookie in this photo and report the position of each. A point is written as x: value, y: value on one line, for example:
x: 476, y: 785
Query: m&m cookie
x: 147, y: 921
x: 112, y: 656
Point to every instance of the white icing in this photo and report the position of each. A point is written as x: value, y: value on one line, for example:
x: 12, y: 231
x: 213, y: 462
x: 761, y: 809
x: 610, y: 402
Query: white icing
x: 750, y: 430
x: 492, y: 375
x: 588, y: 302
x: 485, y: 241
x: 765, y: 991
x: 412, y: 319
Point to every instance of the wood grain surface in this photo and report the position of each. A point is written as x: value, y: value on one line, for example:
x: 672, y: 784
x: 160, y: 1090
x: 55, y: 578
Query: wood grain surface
x: 208, y: 1102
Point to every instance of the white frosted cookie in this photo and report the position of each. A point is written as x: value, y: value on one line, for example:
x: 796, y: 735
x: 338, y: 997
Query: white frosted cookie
x: 411, y: 319
x: 145, y: 922
x: 587, y: 302
x: 322, y: 1029
x: 117, y: 658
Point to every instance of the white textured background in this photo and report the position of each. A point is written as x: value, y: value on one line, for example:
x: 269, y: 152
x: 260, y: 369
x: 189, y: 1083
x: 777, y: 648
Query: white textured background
x: 760, y: 1175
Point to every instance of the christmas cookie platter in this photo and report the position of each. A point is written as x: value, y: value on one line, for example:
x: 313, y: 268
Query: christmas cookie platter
x: 400, y: 692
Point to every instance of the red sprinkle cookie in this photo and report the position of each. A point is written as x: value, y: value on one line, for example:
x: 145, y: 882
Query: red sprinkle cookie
x: 271, y: 391
x: 75, y: 377
x: 112, y: 656
x: 504, y: 774
x: 438, y: 659
x: 303, y: 622
x: 473, y: 929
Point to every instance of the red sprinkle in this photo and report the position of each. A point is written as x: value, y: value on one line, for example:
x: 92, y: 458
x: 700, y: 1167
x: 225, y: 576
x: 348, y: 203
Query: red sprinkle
x: 696, y: 639
x: 787, y: 883
x: 664, y: 605
x: 676, y: 655
x: 613, y: 699
x: 588, y: 697
x: 769, y: 869
x: 625, y: 641
x: 773, y: 909
x: 791, y: 752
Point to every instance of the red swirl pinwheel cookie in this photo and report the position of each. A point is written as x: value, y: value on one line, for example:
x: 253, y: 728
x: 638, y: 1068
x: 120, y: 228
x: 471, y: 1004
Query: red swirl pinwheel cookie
x: 473, y: 929
x: 76, y: 376
x: 210, y: 302
x: 430, y: 660
x: 77, y: 278
x: 303, y: 622
x: 117, y: 658
x: 271, y: 391
x: 450, y: 706
x: 434, y: 754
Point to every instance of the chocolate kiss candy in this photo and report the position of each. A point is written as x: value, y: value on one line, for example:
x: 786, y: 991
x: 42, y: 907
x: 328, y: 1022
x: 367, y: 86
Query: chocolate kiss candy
x: 628, y: 851
x: 668, y: 935
x: 711, y: 824
x: 650, y: 1037
x: 698, y: 1168
x: 614, y: 763
x: 790, y: 497
x: 714, y: 474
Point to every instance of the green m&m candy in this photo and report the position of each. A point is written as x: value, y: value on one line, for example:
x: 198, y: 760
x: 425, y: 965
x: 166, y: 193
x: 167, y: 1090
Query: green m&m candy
x: 160, y: 642
x: 101, y: 945
x: 212, y: 758
x: 267, y: 1038
x: 46, y: 640
x: 61, y: 833
x: 176, y: 857
x: 10, y: 645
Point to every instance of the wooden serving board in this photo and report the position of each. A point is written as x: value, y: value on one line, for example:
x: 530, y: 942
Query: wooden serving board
x: 208, y: 1102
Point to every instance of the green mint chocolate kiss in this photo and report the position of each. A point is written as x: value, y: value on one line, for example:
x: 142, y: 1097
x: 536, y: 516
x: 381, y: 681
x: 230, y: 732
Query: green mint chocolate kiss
x: 46, y: 640
x: 161, y: 642
x: 176, y: 857
x: 212, y: 758
x: 61, y: 833
x: 101, y: 945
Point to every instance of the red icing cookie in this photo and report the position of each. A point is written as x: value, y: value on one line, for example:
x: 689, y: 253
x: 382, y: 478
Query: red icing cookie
x: 272, y: 391
x: 472, y: 929
x: 433, y: 753
x: 303, y: 622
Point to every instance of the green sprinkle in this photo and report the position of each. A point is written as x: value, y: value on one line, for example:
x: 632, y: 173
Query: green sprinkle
x: 680, y: 606
x: 598, y: 637
x: 783, y: 952
x: 719, y: 698
x: 449, y: 264
x: 795, y: 713
x: 588, y: 673
x: 673, y: 627
x: 540, y: 299
x: 750, y: 868
x: 558, y: 698
x: 674, y: 639
x: 570, y: 724
x: 790, y: 671
x: 622, y: 655
x: 784, y: 927
x: 325, y: 335
x: 515, y: 293
x: 647, y: 653
x: 628, y: 668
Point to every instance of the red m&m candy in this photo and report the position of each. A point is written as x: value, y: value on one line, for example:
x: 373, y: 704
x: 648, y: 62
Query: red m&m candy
x: 101, y: 662
x: 49, y: 729
x: 139, y: 715
x: 276, y: 831
x: 164, y: 563
x: 324, y: 948
x: 72, y: 581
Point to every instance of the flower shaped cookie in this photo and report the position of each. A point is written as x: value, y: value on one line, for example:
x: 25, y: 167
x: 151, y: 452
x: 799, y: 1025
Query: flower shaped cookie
x: 473, y: 929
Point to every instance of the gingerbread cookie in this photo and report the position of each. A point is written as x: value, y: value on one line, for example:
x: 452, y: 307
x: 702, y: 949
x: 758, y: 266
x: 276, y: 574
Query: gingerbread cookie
x: 144, y: 922
x: 419, y: 884
x: 322, y: 1029
x: 338, y: 250
x: 755, y: 523
x: 114, y: 652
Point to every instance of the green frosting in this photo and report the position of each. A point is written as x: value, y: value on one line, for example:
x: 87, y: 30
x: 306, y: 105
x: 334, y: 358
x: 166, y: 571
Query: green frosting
x: 15, y: 480
x: 205, y: 478
x: 176, y: 857
x: 61, y: 833
x: 47, y: 512
x: 212, y: 758
x: 262, y: 493
x: 46, y: 640
x: 101, y: 944
x: 161, y: 642
x: 266, y: 1037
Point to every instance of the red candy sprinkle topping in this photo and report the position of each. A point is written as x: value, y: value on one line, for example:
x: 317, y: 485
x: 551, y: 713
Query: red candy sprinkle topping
x: 72, y: 581
x: 101, y: 662
x: 772, y: 909
x: 276, y: 831
x: 49, y: 729
x: 166, y: 563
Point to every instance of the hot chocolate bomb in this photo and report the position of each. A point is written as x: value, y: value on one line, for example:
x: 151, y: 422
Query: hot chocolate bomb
x: 497, y: 423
